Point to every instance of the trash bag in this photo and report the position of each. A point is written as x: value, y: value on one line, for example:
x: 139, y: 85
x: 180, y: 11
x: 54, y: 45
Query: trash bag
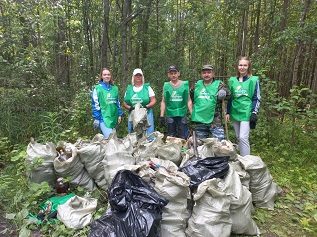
x: 75, y: 169
x: 135, y: 209
x: 77, y: 212
x: 211, y: 212
x: 43, y: 171
x: 264, y: 190
x: 199, y: 169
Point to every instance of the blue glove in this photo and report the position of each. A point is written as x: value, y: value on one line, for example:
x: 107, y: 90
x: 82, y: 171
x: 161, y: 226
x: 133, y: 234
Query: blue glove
x: 96, y: 124
x: 221, y: 94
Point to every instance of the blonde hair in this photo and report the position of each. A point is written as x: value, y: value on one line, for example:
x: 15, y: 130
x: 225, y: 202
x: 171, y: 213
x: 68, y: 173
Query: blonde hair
x: 132, y: 79
x: 249, y: 72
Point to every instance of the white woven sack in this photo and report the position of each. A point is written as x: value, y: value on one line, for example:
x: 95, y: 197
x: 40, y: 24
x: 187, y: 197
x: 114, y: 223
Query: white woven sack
x: 211, y: 215
x: 77, y: 212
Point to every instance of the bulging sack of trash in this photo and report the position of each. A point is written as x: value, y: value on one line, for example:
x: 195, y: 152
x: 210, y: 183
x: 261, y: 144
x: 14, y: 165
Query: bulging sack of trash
x: 201, y: 169
x: 135, y: 209
x: 77, y: 212
x: 74, y: 168
x: 174, y: 186
x: 243, y: 174
x: 225, y: 148
x: 171, y: 152
x: 211, y: 212
x: 147, y: 147
x: 264, y: 190
x: 40, y: 157
x: 115, y: 156
x: 206, y: 149
x: 241, y: 206
x: 91, y: 155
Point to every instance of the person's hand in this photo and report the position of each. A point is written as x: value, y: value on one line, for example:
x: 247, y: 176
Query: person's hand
x: 253, y: 117
x: 131, y: 108
x: 253, y: 120
x: 144, y: 106
x: 162, y: 120
x: 221, y: 94
x: 227, y: 118
x: 119, y: 119
x: 96, y: 124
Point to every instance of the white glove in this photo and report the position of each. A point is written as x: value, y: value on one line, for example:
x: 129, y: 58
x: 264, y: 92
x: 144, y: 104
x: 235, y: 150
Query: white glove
x: 221, y: 94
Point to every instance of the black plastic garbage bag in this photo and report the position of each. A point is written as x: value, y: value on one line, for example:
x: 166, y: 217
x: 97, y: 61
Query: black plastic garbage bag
x: 202, y: 169
x: 135, y: 209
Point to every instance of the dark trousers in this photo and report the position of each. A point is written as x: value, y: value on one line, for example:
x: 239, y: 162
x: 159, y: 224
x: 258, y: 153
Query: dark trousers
x: 177, y: 127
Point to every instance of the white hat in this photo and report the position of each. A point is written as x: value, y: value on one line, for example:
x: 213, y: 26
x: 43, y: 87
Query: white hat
x: 137, y: 71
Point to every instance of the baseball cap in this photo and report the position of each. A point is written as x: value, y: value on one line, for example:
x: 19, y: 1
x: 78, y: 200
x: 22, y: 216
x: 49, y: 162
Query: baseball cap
x: 207, y: 67
x: 137, y: 71
x: 172, y: 68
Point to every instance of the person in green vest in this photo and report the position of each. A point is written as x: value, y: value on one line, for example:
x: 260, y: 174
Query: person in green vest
x: 244, y: 104
x: 207, y: 99
x: 175, y: 102
x: 140, y: 92
x: 105, y: 103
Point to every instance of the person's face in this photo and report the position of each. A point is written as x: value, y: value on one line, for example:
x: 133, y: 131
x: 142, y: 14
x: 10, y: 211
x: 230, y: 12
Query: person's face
x: 243, y: 67
x: 207, y: 75
x: 137, y: 78
x: 173, y: 75
x: 106, y: 76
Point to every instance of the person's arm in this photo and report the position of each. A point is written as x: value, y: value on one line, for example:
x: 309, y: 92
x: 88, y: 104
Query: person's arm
x: 256, y: 98
x: 152, y: 98
x: 126, y: 105
x: 163, y: 107
x: 152, y: 102
x: 190, y: 104
x: 96, y: 113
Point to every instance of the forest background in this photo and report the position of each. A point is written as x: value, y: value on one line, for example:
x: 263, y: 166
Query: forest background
x: 51, y: 53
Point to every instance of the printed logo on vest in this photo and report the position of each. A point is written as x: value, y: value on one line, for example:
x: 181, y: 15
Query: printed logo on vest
x: 239, y: 91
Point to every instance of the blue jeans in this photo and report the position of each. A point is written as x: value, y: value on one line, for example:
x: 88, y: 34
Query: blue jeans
x: 177, y: 127
x: 105, y: 131
x: 203, y: 130
x: 150, y: 118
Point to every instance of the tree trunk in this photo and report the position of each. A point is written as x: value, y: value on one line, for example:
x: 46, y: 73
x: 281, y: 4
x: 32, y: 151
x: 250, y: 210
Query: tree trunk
x: 88, y: 38
x: 245, y: 29
x: 299, y: 53
x: 105, y: 47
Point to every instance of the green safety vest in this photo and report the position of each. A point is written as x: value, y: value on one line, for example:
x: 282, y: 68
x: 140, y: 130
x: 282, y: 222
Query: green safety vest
x: 241, y: 94
x: 142, y: 97
x: 205, y: 101
x: 176, y: 99
x: 108, y: 105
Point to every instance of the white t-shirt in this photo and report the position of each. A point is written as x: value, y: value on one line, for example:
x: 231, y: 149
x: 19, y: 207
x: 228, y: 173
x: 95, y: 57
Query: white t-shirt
x: 138, y: 89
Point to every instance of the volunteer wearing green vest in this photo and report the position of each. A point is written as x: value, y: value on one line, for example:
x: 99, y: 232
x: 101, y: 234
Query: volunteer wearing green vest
x: 105, y: 104
x: 243, y: 106
x: 207, y: 111
x: 140, y: 92
x: 175, y: 102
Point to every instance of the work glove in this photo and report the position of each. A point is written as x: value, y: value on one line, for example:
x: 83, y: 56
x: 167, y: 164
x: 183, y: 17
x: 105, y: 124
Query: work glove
x: 253, y: 120
x: 162, y: 120
x: 221, y: 94
x: 96, y: 124
x: 131, y: 108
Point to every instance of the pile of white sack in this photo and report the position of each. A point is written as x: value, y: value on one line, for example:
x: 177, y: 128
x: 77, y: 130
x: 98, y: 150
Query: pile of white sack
x: 217, y: 207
